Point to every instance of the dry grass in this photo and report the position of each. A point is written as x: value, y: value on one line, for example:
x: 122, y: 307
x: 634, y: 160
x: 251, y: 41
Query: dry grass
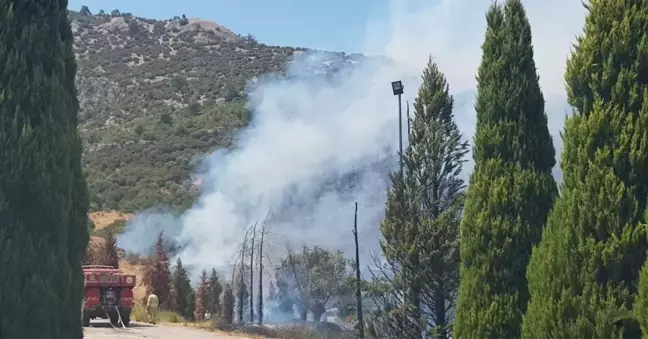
x: 97, y: 241
x: 139, y: 314
x: 105, y: 218
x: 139, y: 292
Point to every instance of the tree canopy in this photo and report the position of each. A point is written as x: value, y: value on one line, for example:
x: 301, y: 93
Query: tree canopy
x: 43, y: 193
x: 511, y: 190
x: 584, y: 273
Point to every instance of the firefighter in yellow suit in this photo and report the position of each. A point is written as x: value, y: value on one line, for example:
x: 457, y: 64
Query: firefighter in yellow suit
x: 152, y: 308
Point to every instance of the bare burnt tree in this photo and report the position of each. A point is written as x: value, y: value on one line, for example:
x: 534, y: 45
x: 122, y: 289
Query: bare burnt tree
x: 260, y: 299
x: 251, y: 296
x: 358, y: 280
x: 241, y: 281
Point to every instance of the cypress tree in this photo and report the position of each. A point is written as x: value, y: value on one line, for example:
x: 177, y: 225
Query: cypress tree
x: 43, y: 194
x: 640, y: 305
x: 511, y: 190
x: 108, y: 252
x: 583, y: 275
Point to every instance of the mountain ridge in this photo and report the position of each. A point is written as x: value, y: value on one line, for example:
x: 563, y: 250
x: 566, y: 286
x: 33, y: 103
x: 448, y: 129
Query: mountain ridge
x: 156, y: 96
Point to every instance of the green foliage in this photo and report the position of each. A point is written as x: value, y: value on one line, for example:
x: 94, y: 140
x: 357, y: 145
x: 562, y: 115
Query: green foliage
x: 153, y: 102
x: 107, y: 253
x: 314, y: 279
x: 43, y: 198
x: 157, y: 275
x: 228, y: 304
x: 182, y: 294
x: 421, y: 227
x: 215, y: 289
x: 115, y: 227
x: 585, y: 271
x: 164, y: 316
x: 640, y: 305
x: 511, y: 190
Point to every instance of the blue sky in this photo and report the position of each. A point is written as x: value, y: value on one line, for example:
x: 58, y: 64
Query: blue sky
x: 332, y: 25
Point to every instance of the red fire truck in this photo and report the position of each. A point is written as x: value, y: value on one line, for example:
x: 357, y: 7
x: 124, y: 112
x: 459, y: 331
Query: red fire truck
x: 108, y: 294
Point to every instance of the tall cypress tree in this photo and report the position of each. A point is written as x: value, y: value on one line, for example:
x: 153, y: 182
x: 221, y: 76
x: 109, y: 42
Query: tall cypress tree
x: 584, y: 273
x: 511, y: 190
x: 43, y: 194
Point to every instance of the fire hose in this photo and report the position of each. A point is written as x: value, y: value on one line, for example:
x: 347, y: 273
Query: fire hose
x: 121, y: 322
x: 107, y: 315
x: 118, y: 317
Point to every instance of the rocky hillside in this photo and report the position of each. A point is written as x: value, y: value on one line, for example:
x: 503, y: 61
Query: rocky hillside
x: 157, y: 95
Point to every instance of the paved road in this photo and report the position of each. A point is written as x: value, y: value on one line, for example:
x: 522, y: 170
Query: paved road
x: 101, y: 329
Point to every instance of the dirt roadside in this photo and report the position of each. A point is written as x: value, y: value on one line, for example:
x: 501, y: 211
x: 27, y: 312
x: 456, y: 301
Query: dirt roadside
x: 101, y: 329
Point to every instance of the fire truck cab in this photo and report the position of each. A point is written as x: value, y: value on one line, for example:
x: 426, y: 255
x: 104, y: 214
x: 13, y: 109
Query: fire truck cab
x: 108, y: 294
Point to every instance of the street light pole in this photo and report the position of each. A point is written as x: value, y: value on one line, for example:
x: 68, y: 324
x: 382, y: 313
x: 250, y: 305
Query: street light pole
x: 408, y: 122
x: 400, y: 132
x: 397, y: 88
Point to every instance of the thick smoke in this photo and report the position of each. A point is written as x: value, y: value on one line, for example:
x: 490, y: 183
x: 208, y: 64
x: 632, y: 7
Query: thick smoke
x: 308, y: 132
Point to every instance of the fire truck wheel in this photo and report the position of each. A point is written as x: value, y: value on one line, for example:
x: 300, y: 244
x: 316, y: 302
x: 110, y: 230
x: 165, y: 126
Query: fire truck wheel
x: 125, y: 319
x: 114, y: 318
x: 86, y: 320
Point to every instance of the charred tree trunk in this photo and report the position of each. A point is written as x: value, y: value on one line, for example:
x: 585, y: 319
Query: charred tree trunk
x: 241, y: 282
x: 440, y: 316
x: 318, y: 310
x: 260, y: 302
x: 303, y: 313
x: 357, y: 269
x: 252, y: 275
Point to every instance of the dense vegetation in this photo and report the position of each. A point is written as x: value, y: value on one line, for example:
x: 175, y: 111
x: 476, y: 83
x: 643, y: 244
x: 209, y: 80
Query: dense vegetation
x: 421, y: 227
x: 511, y: 190
x: 528, y: 267
x: 156, y: 96
x: 501, y: 255
x: 584, y: 274
x: 43, y: 194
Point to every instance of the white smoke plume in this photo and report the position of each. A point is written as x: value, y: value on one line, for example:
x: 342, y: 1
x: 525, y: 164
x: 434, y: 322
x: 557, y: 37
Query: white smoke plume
x: 307, y: 131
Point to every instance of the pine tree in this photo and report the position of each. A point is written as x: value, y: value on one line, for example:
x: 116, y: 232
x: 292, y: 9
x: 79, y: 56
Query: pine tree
x: 511, y: 190
x: 183, y: 296
x: 228, y: 304
x: 214, y: 295
x: 584, y: 274
x: 202, y: 297
x: 43, y: 193
x: 424, y: 241
x: 157, y: 275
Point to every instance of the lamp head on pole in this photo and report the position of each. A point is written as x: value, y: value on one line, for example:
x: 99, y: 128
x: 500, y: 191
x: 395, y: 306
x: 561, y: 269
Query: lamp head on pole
x: 397, y: 87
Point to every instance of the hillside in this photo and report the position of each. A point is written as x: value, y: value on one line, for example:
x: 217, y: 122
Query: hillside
x: 156, y: 96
